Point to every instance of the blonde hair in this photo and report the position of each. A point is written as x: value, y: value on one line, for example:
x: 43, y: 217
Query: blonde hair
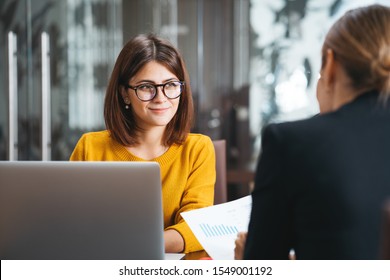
x: 360, y: 40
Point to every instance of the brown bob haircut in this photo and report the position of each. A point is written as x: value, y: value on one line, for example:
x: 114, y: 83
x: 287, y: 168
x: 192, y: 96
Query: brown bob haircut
x: 137, y: 52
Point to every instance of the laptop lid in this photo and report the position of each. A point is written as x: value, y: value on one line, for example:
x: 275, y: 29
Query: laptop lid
x: 80, y: 210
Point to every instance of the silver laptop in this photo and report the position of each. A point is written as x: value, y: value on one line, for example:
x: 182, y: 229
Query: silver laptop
x: 80, y: 210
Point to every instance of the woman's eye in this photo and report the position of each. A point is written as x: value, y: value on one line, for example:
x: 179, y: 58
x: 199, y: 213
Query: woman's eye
x: 172, y: 84
x: 145, y: 87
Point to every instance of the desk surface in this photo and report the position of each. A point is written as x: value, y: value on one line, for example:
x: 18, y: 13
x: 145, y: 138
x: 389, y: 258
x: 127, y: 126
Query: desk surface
x: 196, y: 255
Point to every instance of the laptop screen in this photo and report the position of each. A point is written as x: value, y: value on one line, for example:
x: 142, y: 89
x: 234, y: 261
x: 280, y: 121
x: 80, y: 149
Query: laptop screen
x: 80, y: 210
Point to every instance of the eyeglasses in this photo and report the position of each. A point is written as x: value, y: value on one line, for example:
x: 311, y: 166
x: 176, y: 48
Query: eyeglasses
x: 147, y: 92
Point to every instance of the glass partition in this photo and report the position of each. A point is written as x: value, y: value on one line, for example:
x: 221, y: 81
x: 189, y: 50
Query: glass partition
x: 286, y: 55
x: 57, y: 58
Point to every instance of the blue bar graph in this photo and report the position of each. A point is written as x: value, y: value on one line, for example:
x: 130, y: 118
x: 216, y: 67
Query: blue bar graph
x: 218, y: 230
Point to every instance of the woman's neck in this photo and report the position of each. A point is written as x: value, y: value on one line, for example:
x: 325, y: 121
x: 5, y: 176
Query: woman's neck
x: 150, y: 144
x: 343, y: 91
x: 343, y: 97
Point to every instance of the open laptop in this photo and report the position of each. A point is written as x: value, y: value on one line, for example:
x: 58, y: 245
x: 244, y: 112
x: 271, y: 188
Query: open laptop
x: 80, y: 210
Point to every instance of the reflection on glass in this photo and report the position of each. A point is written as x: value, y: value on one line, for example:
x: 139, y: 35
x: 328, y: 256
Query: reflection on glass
x: 284, y: 67
x: 82, y: 39
x: 93, y: 43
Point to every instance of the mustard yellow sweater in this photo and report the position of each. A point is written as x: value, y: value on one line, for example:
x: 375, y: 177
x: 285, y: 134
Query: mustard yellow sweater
x: 187, y: 171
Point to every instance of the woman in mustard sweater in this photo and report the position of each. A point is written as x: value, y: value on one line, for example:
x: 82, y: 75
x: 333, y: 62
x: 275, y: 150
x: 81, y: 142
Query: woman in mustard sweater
x: 148, y: 112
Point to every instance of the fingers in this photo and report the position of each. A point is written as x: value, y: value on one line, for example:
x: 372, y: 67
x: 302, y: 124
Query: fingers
x: 241, y: 238
x: 240, y: 245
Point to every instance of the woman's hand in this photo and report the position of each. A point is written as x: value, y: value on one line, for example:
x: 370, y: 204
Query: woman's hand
x: 240, y: 245
x: 174, y: 242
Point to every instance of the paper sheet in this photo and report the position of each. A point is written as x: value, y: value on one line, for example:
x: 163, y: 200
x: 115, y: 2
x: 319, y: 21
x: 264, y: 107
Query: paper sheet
x: 216, y: 227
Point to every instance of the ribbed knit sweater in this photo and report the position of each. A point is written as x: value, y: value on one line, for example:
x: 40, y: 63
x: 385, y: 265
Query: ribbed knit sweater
x: 187, y: 173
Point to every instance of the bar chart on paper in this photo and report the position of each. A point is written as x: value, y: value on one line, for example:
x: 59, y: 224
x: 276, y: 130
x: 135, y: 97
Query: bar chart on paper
x: 218, y: 230
x: 216, y: 227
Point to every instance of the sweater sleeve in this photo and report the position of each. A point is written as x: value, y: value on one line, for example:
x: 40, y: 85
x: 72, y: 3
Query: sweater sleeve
x: 95, y: 146
x: 78, y: 153
x: 199, y: 191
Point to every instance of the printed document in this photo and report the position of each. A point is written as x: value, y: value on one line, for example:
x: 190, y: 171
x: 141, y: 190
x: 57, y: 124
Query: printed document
x: 216, y: 227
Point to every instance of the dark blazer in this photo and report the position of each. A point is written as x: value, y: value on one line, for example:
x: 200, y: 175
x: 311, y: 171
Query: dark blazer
x: 320, y: 184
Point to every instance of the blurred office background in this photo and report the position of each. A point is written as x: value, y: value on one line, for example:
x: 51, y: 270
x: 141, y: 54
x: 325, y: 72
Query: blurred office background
x: 251, y: 62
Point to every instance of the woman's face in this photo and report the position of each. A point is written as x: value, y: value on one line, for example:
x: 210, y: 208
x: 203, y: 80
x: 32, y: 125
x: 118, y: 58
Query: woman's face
x: 160, y: 110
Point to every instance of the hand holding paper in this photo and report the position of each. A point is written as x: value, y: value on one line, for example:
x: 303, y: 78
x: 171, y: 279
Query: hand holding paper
x: 216, y: 227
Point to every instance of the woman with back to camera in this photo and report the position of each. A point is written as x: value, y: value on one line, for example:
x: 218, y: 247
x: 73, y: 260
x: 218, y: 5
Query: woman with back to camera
x: 148, y: 112
x: 320, y: 183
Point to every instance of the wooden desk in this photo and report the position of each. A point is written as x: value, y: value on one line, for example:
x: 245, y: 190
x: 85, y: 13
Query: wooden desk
x: 196, y: 255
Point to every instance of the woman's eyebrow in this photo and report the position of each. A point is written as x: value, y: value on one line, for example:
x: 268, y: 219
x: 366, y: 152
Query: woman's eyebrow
x: 153, y: 82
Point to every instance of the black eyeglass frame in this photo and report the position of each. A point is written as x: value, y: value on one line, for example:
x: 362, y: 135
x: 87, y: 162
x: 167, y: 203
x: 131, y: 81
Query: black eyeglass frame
x: 181, y: 83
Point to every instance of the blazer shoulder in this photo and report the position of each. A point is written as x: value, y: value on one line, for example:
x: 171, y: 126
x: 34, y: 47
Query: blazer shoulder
x: 305, y: 130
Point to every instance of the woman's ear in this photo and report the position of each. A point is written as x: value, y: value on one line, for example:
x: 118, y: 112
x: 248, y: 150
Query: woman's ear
x: 328, y: 71
x: 124, y: 95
